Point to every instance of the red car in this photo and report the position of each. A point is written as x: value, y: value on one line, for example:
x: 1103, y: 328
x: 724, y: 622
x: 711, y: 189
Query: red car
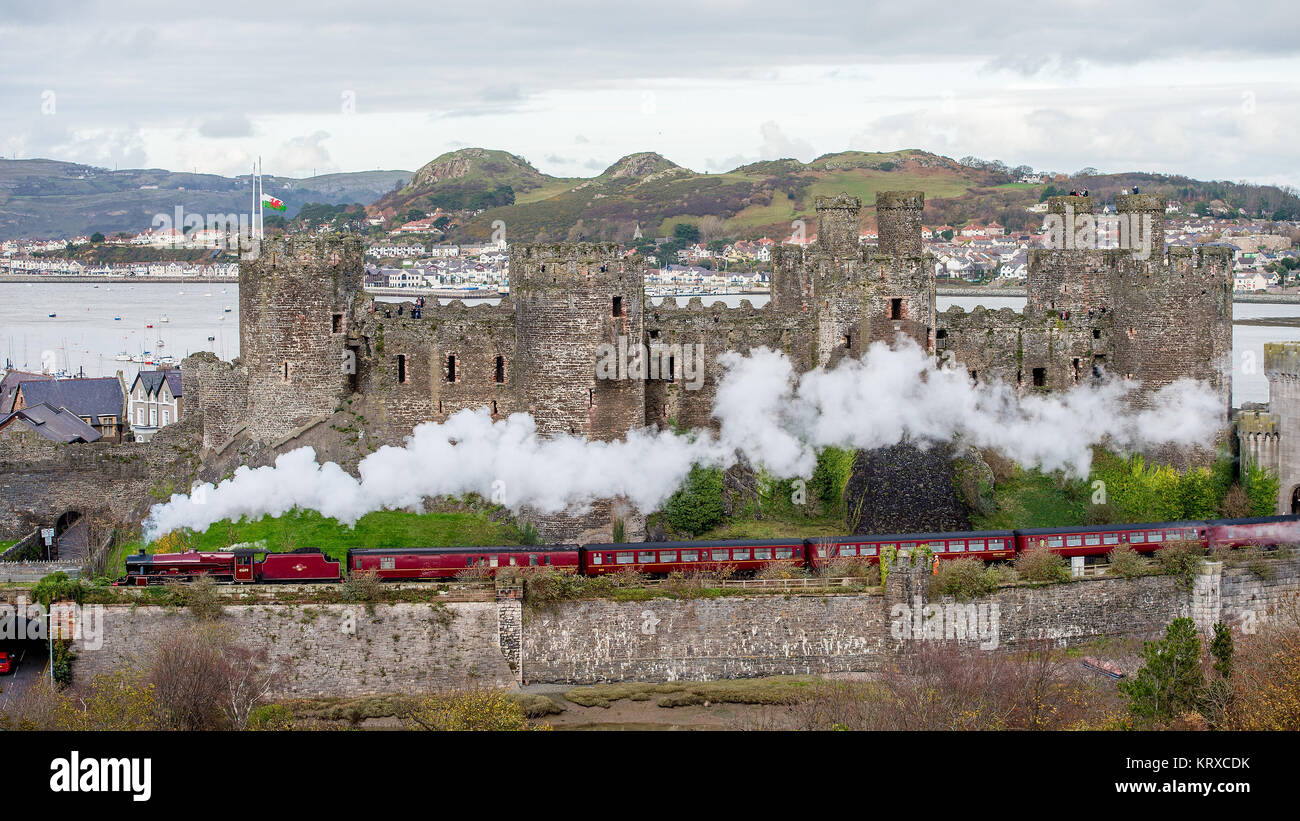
x: 8, y: 662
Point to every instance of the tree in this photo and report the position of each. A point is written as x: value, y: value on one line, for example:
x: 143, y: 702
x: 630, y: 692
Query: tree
x: 686, y: 232
x: 458, y: 711
x: 1170, y: 682
x: 697, y: 505
x: 96, y: 238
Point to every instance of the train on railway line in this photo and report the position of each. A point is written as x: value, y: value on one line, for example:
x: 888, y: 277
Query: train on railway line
x: 312, y: 565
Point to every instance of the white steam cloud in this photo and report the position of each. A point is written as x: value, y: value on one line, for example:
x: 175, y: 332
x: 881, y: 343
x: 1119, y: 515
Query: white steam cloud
x: 767, y: 415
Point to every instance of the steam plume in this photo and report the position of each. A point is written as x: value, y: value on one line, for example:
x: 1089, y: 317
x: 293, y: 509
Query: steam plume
x: 767, y: 415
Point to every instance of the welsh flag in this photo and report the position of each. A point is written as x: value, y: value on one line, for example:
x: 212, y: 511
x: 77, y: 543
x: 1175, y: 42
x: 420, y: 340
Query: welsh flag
x: 271, y: 202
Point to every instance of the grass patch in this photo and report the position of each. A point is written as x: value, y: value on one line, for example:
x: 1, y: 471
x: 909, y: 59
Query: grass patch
x: 771, y: 690
x: 1030, y: 498
x: 384, y: 528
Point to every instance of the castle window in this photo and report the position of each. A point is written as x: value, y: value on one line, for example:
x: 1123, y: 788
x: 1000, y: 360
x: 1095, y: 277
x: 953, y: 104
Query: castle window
x: 451, y: 367
x: 618, y: 306
x: 401, y: 367
x: 654, y: 334
x: 848, y: 341
x: 1040, y: 377
x: 672, y: 369
x: 1076, y: 370
x: 896, y: 308
x: 974, y: 376
x: 494, y: 407
x: 336, y: 324
x: 284, y: 371
x: 1096, y: 333
x: 500, y: 375
x: 591, y: 397
x: 942, y: 333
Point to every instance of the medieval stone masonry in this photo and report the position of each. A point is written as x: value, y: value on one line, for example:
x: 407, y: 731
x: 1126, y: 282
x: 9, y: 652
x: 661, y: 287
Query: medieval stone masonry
x: 323, y: 363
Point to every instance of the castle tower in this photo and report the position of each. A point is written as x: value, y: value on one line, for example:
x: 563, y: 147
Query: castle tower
x: 580, y: 307
x: 1070, y: 278
x: 575, y: 303
x: 1142, y: 223
x: 898, y: 221
x: 837, y: 226
x: 901, y: 295
x: 1282, y: 367
x: 294, y: 311
x: 1172, y: 309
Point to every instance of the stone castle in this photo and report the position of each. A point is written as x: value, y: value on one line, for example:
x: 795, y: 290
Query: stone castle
x: 324, y: 363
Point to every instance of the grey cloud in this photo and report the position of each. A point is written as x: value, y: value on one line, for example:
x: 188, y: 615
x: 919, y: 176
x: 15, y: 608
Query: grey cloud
x: 232, y: 125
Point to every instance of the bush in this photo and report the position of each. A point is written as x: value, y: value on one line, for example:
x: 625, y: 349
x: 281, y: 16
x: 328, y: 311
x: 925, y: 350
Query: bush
x: 1261, y: 486
x: 361, y: 587
x: 1182, y: 560
x: 1127, y: 562
x: 464, y: 710
x: 57, y: 587
x: 964, y: 579
x: 1235, y: 504
x: 697, y: 505
x: 203, y: 599
x: 1038, y: 564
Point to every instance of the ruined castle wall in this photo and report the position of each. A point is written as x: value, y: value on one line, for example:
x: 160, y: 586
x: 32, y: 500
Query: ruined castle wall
x: 717, y: 329
x: 1282, y: 366
x: 420, y: 370
x: 217, y: 395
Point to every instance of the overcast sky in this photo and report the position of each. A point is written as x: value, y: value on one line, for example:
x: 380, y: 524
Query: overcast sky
x: 710, y: 84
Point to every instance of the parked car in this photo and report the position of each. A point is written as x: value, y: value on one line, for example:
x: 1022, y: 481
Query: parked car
x: 8, y: 662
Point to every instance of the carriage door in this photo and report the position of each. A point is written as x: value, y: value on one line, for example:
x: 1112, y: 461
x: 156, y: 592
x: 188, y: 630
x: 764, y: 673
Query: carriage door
x: 243, y: 568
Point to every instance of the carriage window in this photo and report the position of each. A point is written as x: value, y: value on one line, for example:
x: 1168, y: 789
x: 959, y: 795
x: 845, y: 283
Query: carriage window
x: 720, y: 555
x: 1189, y: 534
x: 597, y: 558
x: 888, y: 546
x: 667, y: 555
x: 1172, y: 534
x: 513, y: 561
x: 956, y: 547
x: 357, y: 566
x: 624, y: 558
x: 1073, y: 541
x: 469, y: 562
x: 645, y: 557
x: 532, y: 559
x: 1137, y: 538
x: 975, y: 544
x: 1110, y: 538
x: 869, y: 551
x: 821, y: 551
x: 784, y: 552
x: 741, y: 555
x: 1055, y: 541
x: 387, y: 563
x: 762, y: 553
x: 906, y: 545
x: 940, y: 547
x: 546, y: 560
x: 494, y: 561
x: 1092, y: 540
x: 1155, y: 536
x: 848, y: 550
x: 996, y: 544
x: 690, y: 556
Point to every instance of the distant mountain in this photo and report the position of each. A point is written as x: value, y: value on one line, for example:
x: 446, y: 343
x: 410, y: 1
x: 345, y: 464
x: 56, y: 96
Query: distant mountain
x: 53, y: 200
x: 645, y: 190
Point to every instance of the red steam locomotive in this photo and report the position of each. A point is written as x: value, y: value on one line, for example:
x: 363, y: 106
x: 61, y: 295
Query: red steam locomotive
x: 259, y: 566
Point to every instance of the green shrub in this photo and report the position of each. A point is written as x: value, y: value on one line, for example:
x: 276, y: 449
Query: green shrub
x: 963, y: 578
x: 1170, y: 681
x: 1038, y: 564
x: 697, y: 505
x: 1127, y: 562
x: 58, y: 587
x: 1181, y: 560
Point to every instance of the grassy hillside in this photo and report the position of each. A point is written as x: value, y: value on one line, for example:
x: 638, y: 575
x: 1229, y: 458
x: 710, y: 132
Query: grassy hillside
x: 59, y: 200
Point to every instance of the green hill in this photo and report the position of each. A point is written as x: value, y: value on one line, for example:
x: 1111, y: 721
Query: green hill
x: 57, y: 200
